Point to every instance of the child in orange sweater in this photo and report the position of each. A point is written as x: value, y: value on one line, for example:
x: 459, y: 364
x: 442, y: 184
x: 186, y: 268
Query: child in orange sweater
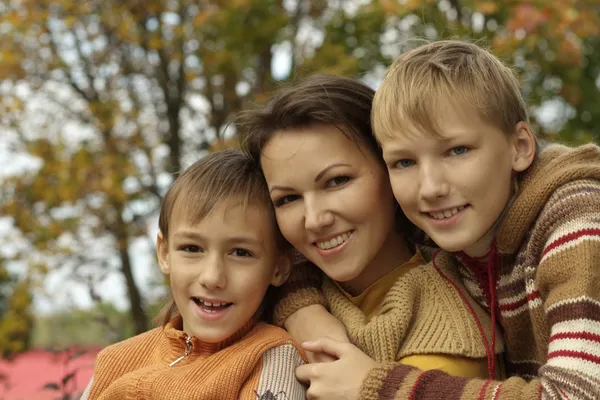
x: 221, y: 248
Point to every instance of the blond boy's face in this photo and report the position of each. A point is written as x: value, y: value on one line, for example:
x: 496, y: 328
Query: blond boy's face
x: 454, y: 187
x: 220, y: 268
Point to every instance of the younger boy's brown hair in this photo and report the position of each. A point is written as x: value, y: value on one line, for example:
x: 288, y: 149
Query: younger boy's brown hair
x: 421, y: 80
x: 224, y: 175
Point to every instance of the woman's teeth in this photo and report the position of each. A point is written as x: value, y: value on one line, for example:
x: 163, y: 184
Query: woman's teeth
x: 446, y: 213
x: 335, y: 242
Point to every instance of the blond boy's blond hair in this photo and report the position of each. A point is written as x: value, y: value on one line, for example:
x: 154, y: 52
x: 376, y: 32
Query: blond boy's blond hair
x: 446, y: 72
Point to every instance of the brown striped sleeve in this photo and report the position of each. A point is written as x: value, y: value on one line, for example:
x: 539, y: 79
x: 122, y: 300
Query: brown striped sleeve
x: 401, y: 382
x: 302, y: 289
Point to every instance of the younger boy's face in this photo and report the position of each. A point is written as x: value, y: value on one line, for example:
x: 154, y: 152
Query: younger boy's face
x: 220, y: 268
x: 454, y: 187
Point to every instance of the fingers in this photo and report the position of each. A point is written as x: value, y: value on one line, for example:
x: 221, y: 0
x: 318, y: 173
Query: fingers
x: 327, y: 345
x: 305, y: 373
x: 322, y: 358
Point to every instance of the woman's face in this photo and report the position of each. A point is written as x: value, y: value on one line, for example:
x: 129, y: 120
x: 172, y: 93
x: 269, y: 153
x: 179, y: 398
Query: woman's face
x: 334, y: 203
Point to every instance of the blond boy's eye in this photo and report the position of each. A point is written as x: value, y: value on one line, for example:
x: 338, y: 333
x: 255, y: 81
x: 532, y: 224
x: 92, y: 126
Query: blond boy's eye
x: 404, y: 163
x: 459, y: 150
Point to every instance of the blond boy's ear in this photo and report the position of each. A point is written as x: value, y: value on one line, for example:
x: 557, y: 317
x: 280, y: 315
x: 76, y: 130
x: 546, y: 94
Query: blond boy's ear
x: 283, y: 269
x: 524, y: 147
x: 162, y: 252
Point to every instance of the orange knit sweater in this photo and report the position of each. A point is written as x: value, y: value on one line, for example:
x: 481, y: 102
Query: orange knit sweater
x: 258, y: 359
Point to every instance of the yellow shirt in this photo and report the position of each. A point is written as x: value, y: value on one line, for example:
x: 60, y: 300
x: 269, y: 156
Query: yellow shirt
x: 369, y: 303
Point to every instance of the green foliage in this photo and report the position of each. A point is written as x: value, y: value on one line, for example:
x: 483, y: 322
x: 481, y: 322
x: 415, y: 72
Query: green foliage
x: 98, y: 327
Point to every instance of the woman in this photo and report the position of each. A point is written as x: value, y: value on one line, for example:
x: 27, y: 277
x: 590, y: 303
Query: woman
x: 334, y: 204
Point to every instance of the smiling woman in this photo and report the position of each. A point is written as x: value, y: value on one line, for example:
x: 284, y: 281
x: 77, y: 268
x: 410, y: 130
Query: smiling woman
x: 333, y: 202
x: 318, y: 178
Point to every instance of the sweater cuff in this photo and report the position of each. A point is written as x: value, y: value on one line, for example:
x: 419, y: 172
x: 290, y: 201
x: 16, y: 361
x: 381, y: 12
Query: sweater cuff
x: 302, y: 289
x: 383, y: 382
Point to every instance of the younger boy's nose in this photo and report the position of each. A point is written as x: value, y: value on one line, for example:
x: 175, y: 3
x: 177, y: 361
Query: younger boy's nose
x: 212, y: 273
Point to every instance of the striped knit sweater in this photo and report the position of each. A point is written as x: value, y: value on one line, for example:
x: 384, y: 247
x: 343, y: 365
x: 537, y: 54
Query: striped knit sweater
x: 547, y: 291
x: 258, y: 360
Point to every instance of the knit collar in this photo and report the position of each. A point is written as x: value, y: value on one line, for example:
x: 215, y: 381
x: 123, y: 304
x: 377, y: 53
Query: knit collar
x: 176, y: 338
x: 556, y: 166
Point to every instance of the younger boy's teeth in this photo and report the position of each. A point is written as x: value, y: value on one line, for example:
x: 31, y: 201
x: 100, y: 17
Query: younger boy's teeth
x: 446, y: 213
x: 335, y: 242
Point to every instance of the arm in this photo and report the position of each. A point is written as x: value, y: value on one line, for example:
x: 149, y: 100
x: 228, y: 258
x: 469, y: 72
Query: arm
x: 300, y: 307
x: 356, y: 376
x: 276, y: 375
x: 302, y: 289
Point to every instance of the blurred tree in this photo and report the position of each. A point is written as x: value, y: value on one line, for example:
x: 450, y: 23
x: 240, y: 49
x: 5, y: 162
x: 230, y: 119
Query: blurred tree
x: 113, y: 97
x: 16, y: 319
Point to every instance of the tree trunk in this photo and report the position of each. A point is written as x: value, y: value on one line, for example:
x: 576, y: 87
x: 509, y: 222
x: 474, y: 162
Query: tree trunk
x: 135, y: 300
x: 174, y: 142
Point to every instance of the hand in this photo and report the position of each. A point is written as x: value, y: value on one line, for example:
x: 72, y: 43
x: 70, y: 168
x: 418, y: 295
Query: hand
x: 313, y: 322
x: 340, y: 379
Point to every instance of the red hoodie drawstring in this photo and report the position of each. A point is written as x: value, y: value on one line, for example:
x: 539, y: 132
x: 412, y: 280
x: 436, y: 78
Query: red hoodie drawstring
x: 492, y: 271
x: 490, y: 350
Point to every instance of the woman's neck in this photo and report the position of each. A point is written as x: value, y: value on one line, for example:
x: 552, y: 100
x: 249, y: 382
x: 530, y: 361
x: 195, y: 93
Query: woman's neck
x: 394, y: 252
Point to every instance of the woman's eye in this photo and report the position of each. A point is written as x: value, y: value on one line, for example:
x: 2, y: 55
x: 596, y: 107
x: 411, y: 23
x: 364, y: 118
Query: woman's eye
x: 338, y: 181
x: 458, y: 150
x: 404, y: 163
x: 285, y: 200
x: 241, y: 253
x: 191, y: 248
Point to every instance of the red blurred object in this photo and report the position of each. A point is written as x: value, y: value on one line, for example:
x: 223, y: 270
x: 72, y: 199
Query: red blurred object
x: 25, y: 376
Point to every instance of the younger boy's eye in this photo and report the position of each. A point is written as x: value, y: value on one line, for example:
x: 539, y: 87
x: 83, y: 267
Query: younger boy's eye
x: 338, y: 181
x: 404, y: 163
x: 241, y: 253
x: 190, y: 248
x: 285, y: 200
x: 458, y: 150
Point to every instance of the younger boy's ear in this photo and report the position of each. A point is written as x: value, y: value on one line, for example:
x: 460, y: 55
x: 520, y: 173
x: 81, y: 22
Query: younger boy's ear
x: 162, y: 252
x: 524, y: 146
x: 283, y: 269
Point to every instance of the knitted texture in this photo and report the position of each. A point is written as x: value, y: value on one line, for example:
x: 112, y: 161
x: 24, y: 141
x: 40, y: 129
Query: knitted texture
x: 548, y: 292
x: 138, y: 368
x: 421, y: 314
x: 300, y: 290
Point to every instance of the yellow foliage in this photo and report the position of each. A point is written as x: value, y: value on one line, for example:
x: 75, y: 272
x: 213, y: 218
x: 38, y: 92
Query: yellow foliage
x: 155, y: 43
x: 488, y: 7
x: 16, y: 322
x: 203, y: 16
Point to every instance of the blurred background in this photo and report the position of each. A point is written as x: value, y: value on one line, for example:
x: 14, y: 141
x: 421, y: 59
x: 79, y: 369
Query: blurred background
x: 102, y: 102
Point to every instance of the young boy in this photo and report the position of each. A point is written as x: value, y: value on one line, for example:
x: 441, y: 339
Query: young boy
x: 221, y: 248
